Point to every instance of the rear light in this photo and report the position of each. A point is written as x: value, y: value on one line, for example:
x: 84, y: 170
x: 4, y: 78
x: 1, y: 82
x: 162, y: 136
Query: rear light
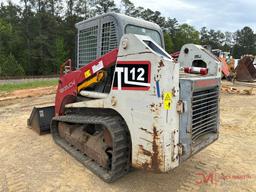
x: 196, y: 70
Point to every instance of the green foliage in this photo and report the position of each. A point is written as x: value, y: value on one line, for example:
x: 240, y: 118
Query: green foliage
x: 61, y: 53
x: 38, y: 35
x: 102, y: 6
x: 171, y: 26
x: 185, y: 34
x: 245, y: 42
x: 217, y: 39
x: 82, y: 9
x: 5, y: 28
x: 10, y: 67
x: 129, y: 8
x: 153, y: 16
x: 168, y: 43
x: 5, y: 31
x: 214, y: 38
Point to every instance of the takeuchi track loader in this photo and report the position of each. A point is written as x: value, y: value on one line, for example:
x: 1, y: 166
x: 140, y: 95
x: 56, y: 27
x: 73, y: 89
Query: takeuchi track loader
x: 128, y: 103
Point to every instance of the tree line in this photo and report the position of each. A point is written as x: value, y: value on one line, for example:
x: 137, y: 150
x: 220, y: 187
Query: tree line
x: 36, y: 36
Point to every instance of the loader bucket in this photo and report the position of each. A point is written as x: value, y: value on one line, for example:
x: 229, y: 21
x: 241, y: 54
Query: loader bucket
x: 40, y: 119
x: 245, y: 71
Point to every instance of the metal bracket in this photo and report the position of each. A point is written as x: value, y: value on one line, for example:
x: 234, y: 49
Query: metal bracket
x: 180, y: 106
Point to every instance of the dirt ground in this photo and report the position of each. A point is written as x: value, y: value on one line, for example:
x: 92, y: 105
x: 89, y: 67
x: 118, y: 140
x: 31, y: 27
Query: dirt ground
x: 19, y: 94
x: 29, y: 162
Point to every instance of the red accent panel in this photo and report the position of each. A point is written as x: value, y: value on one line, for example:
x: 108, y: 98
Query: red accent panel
x: 69, y: 82
x: 206, y: 83
x: 175, y: 55
x: 108, y: 60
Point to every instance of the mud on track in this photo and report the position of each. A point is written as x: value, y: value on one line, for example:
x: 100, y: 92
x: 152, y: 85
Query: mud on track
x: 32, y: 163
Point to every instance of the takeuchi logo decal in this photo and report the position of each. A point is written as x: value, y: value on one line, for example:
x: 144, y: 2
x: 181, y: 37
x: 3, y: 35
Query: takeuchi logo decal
x: 67, y: 87
x: 132, y: 75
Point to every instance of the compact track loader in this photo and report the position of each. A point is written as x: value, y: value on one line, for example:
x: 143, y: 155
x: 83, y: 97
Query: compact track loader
x: 128, y: 103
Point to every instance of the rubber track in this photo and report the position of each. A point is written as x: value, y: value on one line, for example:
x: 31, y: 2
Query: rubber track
x: 121, y: 144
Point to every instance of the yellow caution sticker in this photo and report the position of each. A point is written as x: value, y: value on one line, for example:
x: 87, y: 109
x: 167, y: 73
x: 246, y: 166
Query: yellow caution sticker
x: 167, y: 100
x: 87, y: 73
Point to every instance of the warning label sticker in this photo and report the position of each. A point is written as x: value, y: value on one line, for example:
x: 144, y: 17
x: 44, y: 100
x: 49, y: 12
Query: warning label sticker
x: 87, y: 73
x: 167, y: 100
x: 99, y: 66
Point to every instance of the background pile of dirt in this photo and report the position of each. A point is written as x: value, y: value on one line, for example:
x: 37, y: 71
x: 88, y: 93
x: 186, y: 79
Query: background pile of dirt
x: 18, y: 94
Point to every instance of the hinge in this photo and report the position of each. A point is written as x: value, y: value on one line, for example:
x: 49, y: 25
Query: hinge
x: 180, y: 149
x: 180, y: 106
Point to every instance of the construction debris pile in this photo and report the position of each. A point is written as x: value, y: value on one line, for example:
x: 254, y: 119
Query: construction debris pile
x: 236, y: 90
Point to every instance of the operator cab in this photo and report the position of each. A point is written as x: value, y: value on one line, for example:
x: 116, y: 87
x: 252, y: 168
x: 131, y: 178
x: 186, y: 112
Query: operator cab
x: 99, y: 35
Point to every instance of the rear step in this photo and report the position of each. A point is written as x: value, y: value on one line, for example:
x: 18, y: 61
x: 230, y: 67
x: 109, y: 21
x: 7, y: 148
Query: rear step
x: 116, y: 127
x: 40, y: 119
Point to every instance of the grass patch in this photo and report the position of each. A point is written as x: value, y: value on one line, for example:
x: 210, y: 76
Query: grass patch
x: 9, y: 87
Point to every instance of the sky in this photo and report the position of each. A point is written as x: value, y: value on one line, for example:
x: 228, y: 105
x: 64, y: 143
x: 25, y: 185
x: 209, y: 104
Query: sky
x: 224, y: 15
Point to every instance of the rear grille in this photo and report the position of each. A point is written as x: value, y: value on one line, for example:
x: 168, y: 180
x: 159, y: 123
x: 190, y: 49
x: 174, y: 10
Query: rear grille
x: 205, y: 112
x: 109, y: 38
x: 87, y: 45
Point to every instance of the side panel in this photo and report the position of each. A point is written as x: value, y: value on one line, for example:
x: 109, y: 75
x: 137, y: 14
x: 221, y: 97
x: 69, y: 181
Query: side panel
x: 153, y: 127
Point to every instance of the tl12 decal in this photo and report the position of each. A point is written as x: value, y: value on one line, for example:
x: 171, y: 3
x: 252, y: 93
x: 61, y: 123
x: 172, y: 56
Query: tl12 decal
x: 132, y: 75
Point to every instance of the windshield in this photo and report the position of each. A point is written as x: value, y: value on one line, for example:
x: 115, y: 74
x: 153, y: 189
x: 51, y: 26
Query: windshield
x: 144, y: 31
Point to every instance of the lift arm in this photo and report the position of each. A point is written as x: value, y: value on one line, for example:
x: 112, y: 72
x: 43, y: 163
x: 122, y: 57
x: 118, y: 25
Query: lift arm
x: 74, y: 81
